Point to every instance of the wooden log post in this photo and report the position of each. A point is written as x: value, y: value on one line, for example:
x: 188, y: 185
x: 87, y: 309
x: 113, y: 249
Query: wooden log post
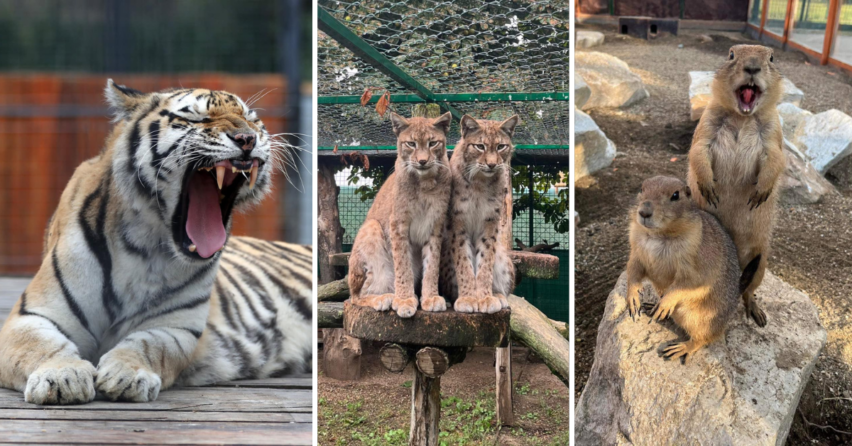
x: 503, y: 362
x: 431, y: 363
x: 341, y: 353
x: 395, y: 357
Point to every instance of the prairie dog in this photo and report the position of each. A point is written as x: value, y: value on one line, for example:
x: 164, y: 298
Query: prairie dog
x: 690, y: 260
x: 736, y: 157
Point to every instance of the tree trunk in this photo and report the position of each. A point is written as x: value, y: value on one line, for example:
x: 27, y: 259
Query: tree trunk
x: 329, y: 231
x: 330, y: 315
x: 336, y: 291
x: 503, y: 364
x: 341, y: 355
x: 534, y: 329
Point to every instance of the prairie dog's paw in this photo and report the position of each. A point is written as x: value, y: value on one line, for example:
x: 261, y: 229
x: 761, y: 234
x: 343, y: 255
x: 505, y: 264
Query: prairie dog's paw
x: 489, y: 304
x: 377, y: 302
x: 405, y: 306
x: 466, y: 304
x: 504, y: 302
x: 122, y: 382
x: 434, y: 303
x: 68, y: 381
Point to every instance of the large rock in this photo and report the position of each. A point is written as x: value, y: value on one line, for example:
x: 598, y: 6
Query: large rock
x: 825, y: 138
x: 582, y: 92
x: 611, y: 82
x: 592, y: 149
x: 801, y: 183
x: 588, y: 39
x: 700, y: 92
x: 743, y: 389
x: 791, y: 117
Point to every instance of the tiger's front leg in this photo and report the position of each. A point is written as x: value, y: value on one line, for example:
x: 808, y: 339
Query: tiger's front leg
x: 147, y: 361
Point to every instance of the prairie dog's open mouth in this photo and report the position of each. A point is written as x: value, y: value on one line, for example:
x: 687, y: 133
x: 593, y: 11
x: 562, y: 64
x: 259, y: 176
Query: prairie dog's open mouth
x: 206, y: 201
x: 747, y: 97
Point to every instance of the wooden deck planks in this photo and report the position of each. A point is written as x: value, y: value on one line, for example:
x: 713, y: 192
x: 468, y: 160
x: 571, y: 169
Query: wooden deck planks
x: 252, y: 412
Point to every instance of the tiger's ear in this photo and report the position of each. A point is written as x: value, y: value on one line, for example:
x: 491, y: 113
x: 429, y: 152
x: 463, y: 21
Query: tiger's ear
x: 508, y: 125
x: 123, y: 100
x: 398, y: 122
x: 443, y: 122
x: 468, y: 125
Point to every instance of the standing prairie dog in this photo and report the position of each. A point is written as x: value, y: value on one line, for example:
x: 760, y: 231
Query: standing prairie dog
x: 690, y: 260
x: 736, y: 157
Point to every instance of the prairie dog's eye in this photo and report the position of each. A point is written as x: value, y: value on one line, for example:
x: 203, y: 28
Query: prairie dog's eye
x: 480, y: 147
x: 502, y: 147
x: 411, y: 144
x: 771, y: 58
x: 731, y: 56
x: 433, y: 144
x: 676, y: 196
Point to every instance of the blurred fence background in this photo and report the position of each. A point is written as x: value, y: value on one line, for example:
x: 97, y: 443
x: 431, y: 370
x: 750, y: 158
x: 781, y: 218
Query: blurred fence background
x: 55, y: 57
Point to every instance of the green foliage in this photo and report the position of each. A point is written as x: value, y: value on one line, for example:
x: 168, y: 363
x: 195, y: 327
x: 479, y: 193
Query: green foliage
x: 554, y: 210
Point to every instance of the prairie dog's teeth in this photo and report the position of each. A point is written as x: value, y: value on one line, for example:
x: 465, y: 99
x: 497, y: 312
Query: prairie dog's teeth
x: 253, y: 177
x: 233, y: 169
x: 192, y: 248
x: 220, y: 175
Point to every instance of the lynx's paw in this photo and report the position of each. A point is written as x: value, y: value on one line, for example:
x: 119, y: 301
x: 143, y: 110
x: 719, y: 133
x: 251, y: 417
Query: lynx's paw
x: 489, y: 304
x: 405, y: 306
x: 504, y: 302
x: 466, y: 304
x: 377, y: 302
x: 434, y: 303
x: 119, y: 381
x: 62, y: 382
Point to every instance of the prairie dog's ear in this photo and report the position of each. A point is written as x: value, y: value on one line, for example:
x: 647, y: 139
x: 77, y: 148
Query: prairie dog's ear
x: 508, y: 125
x: 399, y: 123
x: 468, y: 125
x: 123, y: 100
x: 443, y: 122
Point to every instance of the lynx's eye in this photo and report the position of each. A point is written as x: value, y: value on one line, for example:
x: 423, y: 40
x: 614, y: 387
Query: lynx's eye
x: 433, y: 144
x: 676, y: 196
x: 480, y: 147
x: 731, y: 56
x: 502, y: 147
x: 411, y: 144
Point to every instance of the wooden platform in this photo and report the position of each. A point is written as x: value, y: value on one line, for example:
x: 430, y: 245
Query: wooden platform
x: 259, y: 412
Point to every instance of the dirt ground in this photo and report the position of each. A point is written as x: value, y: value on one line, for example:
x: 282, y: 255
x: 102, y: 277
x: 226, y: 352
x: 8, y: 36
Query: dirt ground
x: 376, y: 409
x: 811, y: 243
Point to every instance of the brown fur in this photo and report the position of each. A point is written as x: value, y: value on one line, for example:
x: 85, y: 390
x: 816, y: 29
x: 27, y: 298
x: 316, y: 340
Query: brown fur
x: 477, y: 267
x: 401, y: 236
x: 689, y: 259
x: 736, y: 159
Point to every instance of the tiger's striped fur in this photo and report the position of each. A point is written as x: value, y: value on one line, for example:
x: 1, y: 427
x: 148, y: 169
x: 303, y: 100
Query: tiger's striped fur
x: 121, y: 284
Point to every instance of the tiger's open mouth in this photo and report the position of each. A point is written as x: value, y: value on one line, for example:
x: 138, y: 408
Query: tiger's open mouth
x: 206, y: 201
x: 747, y: 97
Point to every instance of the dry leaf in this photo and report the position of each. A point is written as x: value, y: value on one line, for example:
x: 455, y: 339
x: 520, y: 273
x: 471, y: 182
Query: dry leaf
x: 383, y: 104
x: 365, y: 98
x: 673, y: 159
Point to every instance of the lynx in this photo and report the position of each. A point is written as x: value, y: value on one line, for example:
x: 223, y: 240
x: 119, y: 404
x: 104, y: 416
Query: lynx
x: 476, y: 268
x: 399, y: 243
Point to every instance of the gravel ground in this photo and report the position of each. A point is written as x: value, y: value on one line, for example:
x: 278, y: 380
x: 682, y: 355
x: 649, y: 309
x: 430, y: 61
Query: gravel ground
x: 811, y: 244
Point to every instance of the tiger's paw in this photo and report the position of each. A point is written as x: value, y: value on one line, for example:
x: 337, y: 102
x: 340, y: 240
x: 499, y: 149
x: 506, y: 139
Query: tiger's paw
x: 489, y: 304
x: 434, y: 303
x: 69, y: 381
x: 119, y: 381
x: 466, y: 304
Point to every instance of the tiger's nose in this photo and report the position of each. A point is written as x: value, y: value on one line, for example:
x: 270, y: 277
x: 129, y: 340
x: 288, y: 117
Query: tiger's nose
x: 244, y: 140
x: 422, y: 162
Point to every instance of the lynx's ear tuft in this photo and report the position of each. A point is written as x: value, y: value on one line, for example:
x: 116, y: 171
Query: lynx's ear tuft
x: 468, y: 125
x: 399, y: 123
x: 508, y: 125
x: 443, y: 122
x: 123, y: 100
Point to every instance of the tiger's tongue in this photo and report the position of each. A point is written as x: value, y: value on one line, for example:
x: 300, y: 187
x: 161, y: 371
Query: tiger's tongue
x: 204, y: 221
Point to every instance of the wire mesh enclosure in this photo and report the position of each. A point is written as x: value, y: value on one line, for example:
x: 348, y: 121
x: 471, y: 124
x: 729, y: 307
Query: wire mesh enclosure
x: 488, y: 59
